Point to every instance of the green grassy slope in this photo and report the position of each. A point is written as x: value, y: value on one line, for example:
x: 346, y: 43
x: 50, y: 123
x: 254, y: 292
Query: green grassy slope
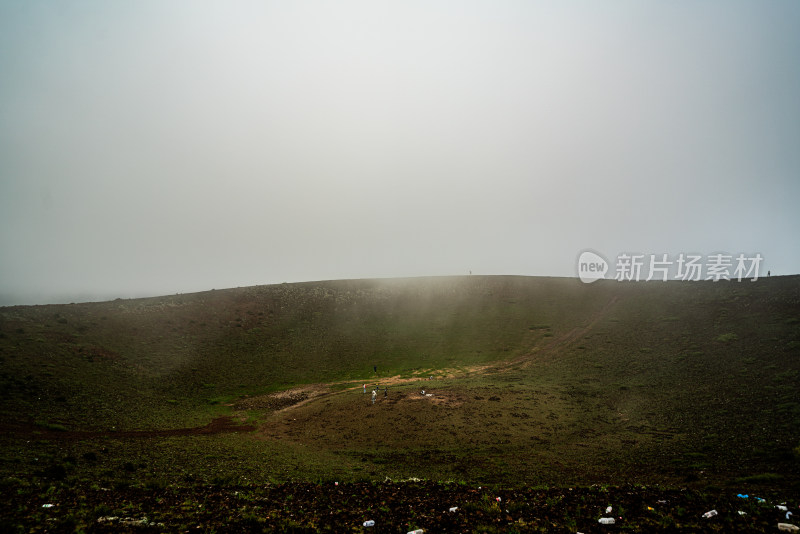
x: 668, y: 383
x: 102, y: 363
x: 637, y: 381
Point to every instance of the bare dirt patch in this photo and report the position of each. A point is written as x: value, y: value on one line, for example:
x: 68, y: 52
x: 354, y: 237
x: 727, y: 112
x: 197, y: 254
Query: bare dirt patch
x: 283, y: 400
x: 445, y: 399
x: 220, y: 425
x: 269, y: 402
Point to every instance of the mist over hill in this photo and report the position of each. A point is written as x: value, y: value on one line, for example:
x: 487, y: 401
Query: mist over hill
x: 536, y: 379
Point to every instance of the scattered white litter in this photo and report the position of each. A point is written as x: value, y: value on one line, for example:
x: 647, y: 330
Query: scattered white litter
x: 369, y: 523
x: 129, y: 522
x: 606, y: 521
x: 709, y: 514
x: 608, y: 510
x: 48, y: 505
x: 454, y: 508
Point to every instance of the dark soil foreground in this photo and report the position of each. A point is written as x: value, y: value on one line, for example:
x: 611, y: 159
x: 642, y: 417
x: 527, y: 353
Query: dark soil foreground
x: 394, y: 507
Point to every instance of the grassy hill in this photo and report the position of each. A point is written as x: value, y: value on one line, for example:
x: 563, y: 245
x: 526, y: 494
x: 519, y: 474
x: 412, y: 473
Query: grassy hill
x: 535, y: 381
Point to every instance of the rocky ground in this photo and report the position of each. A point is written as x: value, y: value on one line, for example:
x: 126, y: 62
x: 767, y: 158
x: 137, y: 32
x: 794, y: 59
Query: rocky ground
x: 393, y: 507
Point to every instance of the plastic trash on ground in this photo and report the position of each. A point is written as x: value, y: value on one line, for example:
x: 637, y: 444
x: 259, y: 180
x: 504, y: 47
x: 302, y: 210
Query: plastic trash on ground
x: 128, y: 522
x: 606, y: 521
x: 369, y: 523
x: 418, y: 531
x: 781, y: 507
x: 608, y: 509
x: 710, y: 513
x: 454, y: 508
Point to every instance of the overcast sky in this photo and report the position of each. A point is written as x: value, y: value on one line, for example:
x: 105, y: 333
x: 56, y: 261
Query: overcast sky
x: 151, y: 147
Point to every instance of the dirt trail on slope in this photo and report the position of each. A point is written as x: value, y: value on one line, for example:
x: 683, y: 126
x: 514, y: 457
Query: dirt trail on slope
x: 290, y: 399
x: 284, y: 400
x: 309, y: 393
x: 577, y: 332
x: 536, y: 353
x: 219, y: 425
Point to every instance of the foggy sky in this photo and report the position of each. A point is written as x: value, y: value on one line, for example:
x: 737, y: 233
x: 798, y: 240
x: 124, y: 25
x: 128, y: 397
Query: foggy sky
x: 153, y: 147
